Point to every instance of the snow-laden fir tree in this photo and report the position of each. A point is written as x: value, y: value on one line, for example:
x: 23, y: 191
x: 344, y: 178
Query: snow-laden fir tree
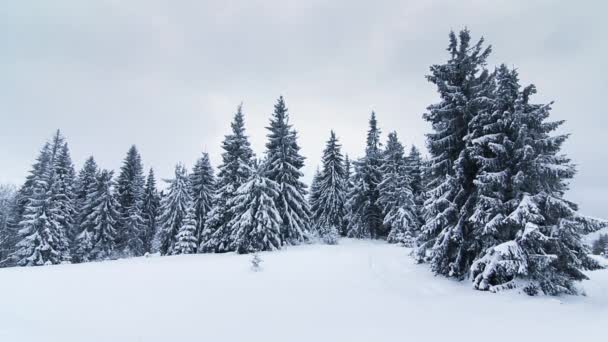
x: 315, y: 191
x: 86, y: 177
x: 236, y: 168
x: 447, y: 241
x: 202, y: 183
x: 529, y: 232
x: 130, y: 186
x: 396, y: 197
x: 62, y: 189
x: 8, y: 235
x: 97, y: 241
x: 415, y: 168
x: 313, y: 197
x: 43, y: 234
x: 27, y: 189
x: 150, y: 211
x: 284, y: 164
x: 600, y: 246
x: 186, y: 240
x: 256, y: 222
x: 173, y: 211
x: 348, y: 188
x: 328, y: 209
x: 365, y: 217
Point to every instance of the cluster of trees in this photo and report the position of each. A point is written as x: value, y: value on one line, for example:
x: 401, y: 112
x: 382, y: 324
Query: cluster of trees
x: 487, y: 205
x: 495, y: 210
x: 600, y: 246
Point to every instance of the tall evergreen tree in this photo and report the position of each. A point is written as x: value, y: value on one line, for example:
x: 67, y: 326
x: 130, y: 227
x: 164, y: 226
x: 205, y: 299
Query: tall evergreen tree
x: 284, y: 163
x: 86, y: 177
x: 62, y: 188
x: 415, y: 166
x: 329, y: 207
x: 256, y: 224
x: 150, y: 211
x: 447, y: 241
x: 529, y: 233
x: 236, y: 168
x: 348, y: 170
x: 97, y: 241
x: 173, y: 211
x: 202, y: 183
x: 8, y: 235
x: 365, y: 216
x: 396, y: 196
x: 315, y: 191
x: 130, y: 186
x: 186, y: 240
x: 43, y: 234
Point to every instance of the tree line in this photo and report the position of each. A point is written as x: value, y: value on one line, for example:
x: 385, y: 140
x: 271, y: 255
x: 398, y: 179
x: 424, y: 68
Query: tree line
x: 487, y: 204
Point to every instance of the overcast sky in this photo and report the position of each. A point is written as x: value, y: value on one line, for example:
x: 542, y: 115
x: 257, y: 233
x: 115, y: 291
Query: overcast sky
x: 168, y: 75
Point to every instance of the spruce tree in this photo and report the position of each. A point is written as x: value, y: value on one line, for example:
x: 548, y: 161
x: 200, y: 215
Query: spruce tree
x: 43, y: 234
x: 329, y: 207
x: 186, y: 240
x: 600, y: 246
x: 202, y: 183
x: 97, y: 241
x: 256, y: 224
x: 130, y: 186
x: 447, y: 241
x: 348, y: 188
x: 62, y: 188
x: 365, y: 215
x: 173, y: 211
x: 396, y: 197
x: 315, y: 191
x: 415, y: 167
x: 150, y: 211
x: 236, y: 168
x: 8, y: 235
x: 530, y: 234
x: 86, y: 177
x: 284, y: 163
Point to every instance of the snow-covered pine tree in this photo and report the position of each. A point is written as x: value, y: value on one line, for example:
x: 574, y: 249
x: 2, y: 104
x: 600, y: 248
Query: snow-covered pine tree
x: 130, y: 188
x: 349, y: 177
x: 173, y: 211
x: 446, y: 240
x: 97, y: 241
x: 86, y: 177
x: 8, y: 198
x: 284, y: 162
x: 531, y: 233
x: 329, y: 207
x: 150, y: 211
x: 365, y: 216
x: 256, y: 224
x: 27, y: 189
x: 236, y: 168
x: 396, y: 197
x: 415, y: 168
x: 43, y: 238
x: 313, y: 195
x: 203, y: 188
x: 600, y: 245
x: 62, y: 187
x: 186, y: 240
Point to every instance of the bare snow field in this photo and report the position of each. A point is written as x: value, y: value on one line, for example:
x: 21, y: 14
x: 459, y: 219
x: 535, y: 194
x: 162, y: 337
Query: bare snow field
x: 356, y: 291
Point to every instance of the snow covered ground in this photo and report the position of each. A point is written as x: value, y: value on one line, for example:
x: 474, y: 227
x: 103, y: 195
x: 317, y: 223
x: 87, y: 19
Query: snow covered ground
x: 356, y: 291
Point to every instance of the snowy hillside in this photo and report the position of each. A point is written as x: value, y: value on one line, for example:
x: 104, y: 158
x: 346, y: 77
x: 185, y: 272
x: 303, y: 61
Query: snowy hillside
x: 356, y: 291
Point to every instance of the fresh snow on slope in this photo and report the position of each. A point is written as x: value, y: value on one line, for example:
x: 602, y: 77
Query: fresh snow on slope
x: 355, y: 291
